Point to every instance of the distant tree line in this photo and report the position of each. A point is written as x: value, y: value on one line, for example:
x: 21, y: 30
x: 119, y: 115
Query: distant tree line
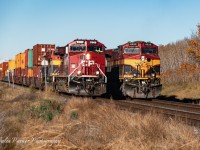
x: 180, y: 61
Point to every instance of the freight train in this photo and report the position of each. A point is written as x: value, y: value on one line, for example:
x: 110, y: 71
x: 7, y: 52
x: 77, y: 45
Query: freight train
x: 84, y: 67
x: 77, y: 68
x: 134, y: 70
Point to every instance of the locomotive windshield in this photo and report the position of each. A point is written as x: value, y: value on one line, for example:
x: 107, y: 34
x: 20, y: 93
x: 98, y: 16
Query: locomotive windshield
x: 148, y: 50
x: 77, y: 48
x: 132, y: 50
x: 95, y: 48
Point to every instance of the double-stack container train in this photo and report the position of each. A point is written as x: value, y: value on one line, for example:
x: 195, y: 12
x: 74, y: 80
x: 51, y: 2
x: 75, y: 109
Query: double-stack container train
x: 77, y: 68
x: 134, y: 70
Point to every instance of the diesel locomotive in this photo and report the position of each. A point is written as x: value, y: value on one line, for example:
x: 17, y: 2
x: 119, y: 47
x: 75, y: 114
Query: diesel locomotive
x: 83, y: 68
x: 134, y: 70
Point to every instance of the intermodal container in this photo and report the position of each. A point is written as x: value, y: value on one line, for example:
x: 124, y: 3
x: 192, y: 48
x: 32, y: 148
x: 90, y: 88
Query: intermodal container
x: 23, y: 72
x: 26, y: 57
x: 1, y: 64
x: 36, y: 71
x: 30, y: 72
x: 3, y: 68
x: 40, y: 51
x: 17, y: 72
x: 11, y: 64
x: 20, y: 60
x: 30, y: 58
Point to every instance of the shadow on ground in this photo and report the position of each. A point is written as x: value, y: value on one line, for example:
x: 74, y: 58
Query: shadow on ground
x: 174, y: 98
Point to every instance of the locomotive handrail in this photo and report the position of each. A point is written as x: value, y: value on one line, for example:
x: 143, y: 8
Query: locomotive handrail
x: 73, y: 72
x: 80, y: 65
x: 102, y: 72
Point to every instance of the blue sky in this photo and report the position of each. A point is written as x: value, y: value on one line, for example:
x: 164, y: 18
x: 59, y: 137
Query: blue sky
x: 24, y: 23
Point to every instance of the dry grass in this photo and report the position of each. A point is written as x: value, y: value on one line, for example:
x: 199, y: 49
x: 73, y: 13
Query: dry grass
x: 181, y: 91
x: 81, y: 123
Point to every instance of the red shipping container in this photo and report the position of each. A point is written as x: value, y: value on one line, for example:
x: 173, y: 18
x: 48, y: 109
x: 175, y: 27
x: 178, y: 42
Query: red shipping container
x: 23, y: 72
x: 36, y: 71
x: 1, y: 72
x: 17, y: 72
x: 1, y: 64
x: 26, y: 72
x: 26, y: 58
x: 3, y: 68
x: 40, y: 51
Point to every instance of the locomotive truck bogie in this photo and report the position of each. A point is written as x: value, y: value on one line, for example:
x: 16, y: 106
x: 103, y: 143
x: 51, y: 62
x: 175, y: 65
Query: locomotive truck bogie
x: 134, y: 88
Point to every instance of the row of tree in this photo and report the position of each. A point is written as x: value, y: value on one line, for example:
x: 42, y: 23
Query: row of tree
x: 180, y: 61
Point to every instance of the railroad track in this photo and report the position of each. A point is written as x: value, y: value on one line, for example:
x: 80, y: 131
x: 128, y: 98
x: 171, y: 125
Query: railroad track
x: 188, y: 113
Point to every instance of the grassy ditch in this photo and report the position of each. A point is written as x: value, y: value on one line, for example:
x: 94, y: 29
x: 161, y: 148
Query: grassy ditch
x: 35, y: 120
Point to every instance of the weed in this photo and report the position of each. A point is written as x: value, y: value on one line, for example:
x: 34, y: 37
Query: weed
x: 32, y: 89
x: 46, y: 110
x: 74, y: 114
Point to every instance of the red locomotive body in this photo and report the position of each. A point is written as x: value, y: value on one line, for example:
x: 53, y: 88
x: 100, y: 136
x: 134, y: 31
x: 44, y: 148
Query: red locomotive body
x: 83, y: 69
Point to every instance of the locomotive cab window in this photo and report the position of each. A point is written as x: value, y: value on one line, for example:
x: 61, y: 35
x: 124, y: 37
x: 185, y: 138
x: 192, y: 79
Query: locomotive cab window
x: 149, y: 51
x: 95, y: 48
x: 132, y: 50
x: 75, y: 48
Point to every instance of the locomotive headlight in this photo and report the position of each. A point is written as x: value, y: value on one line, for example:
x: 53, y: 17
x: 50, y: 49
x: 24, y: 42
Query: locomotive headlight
x: 143, y: 82
x: 134, y: 75
x: 126, y: 79
x: 153, y: 75
x: 97, y: 72
x: 78, y: 72
x: 142, y: 58
x: 87, y: 56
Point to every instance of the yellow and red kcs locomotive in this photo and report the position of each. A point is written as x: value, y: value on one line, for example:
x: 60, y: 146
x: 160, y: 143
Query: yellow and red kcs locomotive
x: 134, y: 70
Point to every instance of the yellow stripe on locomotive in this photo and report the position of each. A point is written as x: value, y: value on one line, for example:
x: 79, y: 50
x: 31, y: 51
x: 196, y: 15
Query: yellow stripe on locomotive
x: 138, y: 68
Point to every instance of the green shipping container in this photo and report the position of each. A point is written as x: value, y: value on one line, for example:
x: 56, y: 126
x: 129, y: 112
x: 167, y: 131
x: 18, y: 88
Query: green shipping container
x: 30, y: 58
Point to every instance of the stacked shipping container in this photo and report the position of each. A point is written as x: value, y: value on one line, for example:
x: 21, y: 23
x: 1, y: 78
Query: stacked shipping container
x: 11, y: 64
x: 29, y: 63
x: 1, y: 74
x: 3, y: 69
x: 11, y: 67
x: 41, y: 52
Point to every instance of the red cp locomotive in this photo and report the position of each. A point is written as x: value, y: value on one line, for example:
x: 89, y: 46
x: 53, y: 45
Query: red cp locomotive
x: 83, y: 68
